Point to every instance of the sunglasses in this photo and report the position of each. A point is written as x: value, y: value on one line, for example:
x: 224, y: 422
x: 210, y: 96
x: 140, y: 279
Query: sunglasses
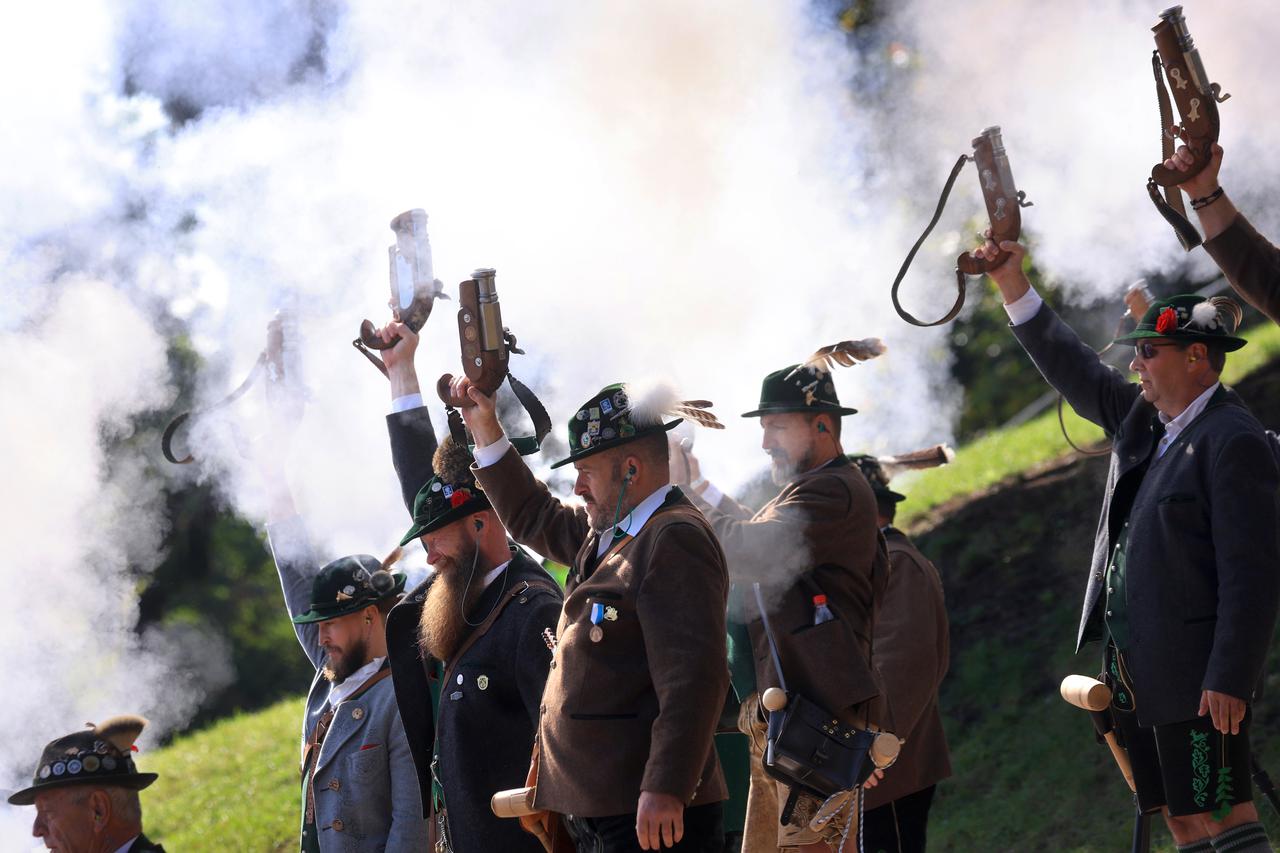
x: 1148, y: 350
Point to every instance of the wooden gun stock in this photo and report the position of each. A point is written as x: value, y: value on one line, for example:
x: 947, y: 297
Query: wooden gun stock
x: 485, y: 348
x: 1002, y: 199
x: 1197, y: 99
x: 1092, y: 695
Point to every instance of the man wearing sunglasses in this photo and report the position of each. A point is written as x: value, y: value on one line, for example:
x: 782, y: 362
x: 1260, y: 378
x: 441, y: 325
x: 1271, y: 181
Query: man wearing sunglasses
x: 1184, y: 587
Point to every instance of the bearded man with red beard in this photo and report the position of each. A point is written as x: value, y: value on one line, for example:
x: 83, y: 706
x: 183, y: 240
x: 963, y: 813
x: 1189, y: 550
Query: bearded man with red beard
x: 468, y: 658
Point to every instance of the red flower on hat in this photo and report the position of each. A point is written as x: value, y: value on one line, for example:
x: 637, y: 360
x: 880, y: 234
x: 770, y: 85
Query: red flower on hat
x: 459, y: 497
x: 1167, y: 321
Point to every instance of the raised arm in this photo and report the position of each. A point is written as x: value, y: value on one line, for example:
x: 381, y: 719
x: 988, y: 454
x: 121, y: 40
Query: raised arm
x: 1248, y: 260
x: 413, y: 440
x: 532, y: 515
x: 1095, y: 390
x: 296, y: 564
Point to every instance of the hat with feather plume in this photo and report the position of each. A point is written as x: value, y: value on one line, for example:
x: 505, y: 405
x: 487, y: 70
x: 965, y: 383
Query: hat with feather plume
x: 621, y: 413
x: 100, y: 754
x: 1189, y: 318
x: 807, y: 386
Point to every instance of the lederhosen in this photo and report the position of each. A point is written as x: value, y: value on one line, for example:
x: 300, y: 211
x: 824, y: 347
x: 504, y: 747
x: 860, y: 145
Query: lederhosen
x: 1188, y: 766
x: 311, y: 752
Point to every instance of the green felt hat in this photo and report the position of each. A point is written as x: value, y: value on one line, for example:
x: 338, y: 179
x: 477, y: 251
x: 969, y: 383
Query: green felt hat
x: 349, y: 585
x: 1181, y: 318
x: 608, y: 420
x: 451, y: 494
x: 874, y: 472
x: 99, y: 755
x: 799, y: 388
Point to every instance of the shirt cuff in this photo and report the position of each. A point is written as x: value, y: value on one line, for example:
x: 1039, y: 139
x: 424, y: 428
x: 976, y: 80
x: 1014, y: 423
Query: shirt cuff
x: 405, y: 403
x: 1024, y: 308
x: 491, y: 453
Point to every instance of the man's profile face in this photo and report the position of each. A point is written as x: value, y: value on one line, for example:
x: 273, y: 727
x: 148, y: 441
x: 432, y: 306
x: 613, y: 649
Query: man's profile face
x: 345, y: 642
x: 599, y: 484
x: 451, y: 550
x: 788, y: 439
x: 1164, y: 374
x: 64, y: 819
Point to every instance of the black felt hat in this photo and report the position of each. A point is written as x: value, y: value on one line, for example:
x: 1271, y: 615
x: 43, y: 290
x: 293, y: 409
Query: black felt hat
x: 101, y: 754
x: 807, y: 387
x: 876, y: 475
x: 348, y: 585
x: 618, y: 415
x: 451, y: 494
x: 1190, y: 318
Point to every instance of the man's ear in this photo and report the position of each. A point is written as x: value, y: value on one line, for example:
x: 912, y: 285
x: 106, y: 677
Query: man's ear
x: 100, y: 805
x: 1197, y: 352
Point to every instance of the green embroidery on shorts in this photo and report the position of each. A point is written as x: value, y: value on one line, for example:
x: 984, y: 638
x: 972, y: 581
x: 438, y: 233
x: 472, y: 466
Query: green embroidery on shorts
x: 1224, y: 794
x: 1119, y: 698
x: 1200, y: 768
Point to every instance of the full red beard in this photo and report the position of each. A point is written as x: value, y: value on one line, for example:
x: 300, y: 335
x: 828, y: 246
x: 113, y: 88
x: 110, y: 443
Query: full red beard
x: 442, y: 625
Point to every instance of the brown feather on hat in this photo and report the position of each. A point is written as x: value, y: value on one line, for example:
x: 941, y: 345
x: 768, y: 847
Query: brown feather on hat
x: 121, y: 731
x: 844, y: 353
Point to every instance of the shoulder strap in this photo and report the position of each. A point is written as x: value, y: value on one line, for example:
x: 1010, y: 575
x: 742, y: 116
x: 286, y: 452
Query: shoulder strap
x: 768, y: 632
x: 1170, y: 207
x: 897, y: 282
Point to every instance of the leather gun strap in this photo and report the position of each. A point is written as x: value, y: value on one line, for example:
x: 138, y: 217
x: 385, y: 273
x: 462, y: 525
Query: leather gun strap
x: 1171, y: 206
x: 166, y: 439
x: 373, y: 359
x: 537, y: 412
x: 768, y: 633
x: 937, y: 214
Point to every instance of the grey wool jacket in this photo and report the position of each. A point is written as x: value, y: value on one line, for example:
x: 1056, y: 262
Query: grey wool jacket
x: 366, y: 790
x: 1203, y: 559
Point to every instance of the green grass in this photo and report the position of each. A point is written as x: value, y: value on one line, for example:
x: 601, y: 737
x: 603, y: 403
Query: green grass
x: 232, y: 786
x: 1004, y: 453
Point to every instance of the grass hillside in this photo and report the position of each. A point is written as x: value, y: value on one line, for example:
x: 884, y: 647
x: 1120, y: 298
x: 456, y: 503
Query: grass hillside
x: 1028, y: 773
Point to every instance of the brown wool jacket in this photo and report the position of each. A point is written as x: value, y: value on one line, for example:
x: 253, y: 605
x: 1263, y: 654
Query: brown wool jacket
x: 912, y: 652
x: 636, y: 711
x: 1250, y: 263
x: 818, y: 534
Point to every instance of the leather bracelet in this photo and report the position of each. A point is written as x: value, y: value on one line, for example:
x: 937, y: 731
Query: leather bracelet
x: 1205, y: 201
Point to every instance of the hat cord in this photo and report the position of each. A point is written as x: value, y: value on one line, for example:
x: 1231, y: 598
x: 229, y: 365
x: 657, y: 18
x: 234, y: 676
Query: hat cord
x: 462, y: 602
x: 618, y: 532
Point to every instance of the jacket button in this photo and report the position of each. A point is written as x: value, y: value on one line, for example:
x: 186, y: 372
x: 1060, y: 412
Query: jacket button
x: 337, y: 825
x: 553, y: 663
x: 1097, y: 575
x: 1108, y: 613
x: 334, y: 784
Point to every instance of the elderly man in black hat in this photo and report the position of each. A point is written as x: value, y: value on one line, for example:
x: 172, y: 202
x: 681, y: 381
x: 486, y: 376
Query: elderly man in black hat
x: 1183, y: 590
x: 640, y: 672
x: 911, y: 649
x: 471, y: 635
x: 359, y: 787
x: 85, y: 790
x: 818, y: 555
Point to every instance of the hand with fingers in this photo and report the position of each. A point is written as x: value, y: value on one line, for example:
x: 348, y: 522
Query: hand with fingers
x: 659, y: 820
x: 1206, y: 181
x: 1009, y: 276
x: 482, y: 418
x: 399, y: 358
x: 1227, y: 712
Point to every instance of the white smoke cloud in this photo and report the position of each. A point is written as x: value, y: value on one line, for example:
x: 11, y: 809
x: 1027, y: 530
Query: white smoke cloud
x: 686, y: 190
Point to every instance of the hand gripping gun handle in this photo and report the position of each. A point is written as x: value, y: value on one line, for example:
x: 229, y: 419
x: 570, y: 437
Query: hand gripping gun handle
x: 1093, y: 696
x: 1197, y: 99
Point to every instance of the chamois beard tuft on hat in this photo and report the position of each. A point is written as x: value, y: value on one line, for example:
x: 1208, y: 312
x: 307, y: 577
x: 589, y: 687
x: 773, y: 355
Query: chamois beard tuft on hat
x: 650, y: 405
x: 121, y: 731
x: 1227, y: 310
x: 452, y: 462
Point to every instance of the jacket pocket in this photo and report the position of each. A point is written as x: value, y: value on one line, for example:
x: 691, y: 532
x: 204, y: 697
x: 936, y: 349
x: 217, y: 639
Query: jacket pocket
x: 603, y: 716
x: 1177, y: 498
x: 825, y: 663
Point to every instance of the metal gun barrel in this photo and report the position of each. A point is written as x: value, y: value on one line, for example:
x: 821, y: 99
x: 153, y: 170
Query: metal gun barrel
x: 490, y: 312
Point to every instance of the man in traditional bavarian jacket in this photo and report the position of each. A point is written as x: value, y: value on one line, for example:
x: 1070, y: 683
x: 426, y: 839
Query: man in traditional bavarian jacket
x: 359, y: 789
x: 1184, y: 587
x: 470, y: 635
x: 640, y: 673
x: 1250, y: 262
x: 911, y: 649
x: 816, y: 545
x: 85, y: 790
